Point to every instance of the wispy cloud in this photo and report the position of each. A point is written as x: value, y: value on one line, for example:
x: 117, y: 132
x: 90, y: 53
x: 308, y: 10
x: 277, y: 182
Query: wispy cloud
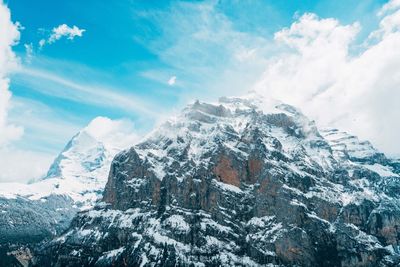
x: 20, y: 165
x: 93, y: 94
x: 46, y: 129
x: 201, y: 46
x: 172, y: 81
x: 28, y: 52
x: 60, y: 31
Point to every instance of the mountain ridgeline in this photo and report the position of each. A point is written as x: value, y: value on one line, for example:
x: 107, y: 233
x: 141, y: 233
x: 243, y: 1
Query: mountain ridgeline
x: 239, y: 184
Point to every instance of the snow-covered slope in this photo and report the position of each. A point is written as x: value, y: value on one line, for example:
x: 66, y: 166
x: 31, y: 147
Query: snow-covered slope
x: 346, y: 146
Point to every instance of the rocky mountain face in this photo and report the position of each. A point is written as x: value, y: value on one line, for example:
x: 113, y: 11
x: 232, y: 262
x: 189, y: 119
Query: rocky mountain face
x: 30, y: 213
x: 239, y: 183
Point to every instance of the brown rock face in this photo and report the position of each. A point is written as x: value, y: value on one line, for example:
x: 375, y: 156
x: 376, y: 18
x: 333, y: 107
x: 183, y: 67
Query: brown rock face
x: 226, y: 173
x: 111, y: 188
x: 294, y: 247
x: 255, y: 168
x: 385, y: 225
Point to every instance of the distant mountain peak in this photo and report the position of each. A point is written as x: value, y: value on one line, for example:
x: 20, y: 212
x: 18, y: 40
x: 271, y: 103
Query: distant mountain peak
x: 81, y: 170
x: 91, y: 147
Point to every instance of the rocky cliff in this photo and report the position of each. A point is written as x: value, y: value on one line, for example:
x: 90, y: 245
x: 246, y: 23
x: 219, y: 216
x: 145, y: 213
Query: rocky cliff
x: 240, y: 183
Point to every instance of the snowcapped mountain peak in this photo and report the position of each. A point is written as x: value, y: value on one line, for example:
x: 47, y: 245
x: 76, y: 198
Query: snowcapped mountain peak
x: 233, y: 125
x: 80, y: 171
x: 91, y: 148
x: 83, y: 154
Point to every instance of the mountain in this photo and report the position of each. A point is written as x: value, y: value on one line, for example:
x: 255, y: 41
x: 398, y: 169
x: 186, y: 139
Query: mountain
x: 242, y: 182
x: 75, y: 181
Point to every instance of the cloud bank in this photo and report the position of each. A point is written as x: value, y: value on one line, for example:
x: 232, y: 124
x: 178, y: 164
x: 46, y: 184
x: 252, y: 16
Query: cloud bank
x: 14, y: 164
x: 355, y: 91
x: 9, y: 36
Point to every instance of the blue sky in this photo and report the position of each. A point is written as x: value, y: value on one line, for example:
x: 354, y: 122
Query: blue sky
x: 121, y: 65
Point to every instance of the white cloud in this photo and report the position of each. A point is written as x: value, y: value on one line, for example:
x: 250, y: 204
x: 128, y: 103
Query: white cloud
x: 388, y: 25
x: 44, y: 130
x: 28, y: 52
x: 358, y: 93
x: 14, y: 164
x: 118, y: 133
x: 101, y: 95
x: 245, y: 54
x: 9, y: 36
x: 317, y: 51
x: 389, y: 6
x: 65, y: 30
x: 172, y: 81
x: 18, y: 165
x: 42, y: 42
x: 60, y: 31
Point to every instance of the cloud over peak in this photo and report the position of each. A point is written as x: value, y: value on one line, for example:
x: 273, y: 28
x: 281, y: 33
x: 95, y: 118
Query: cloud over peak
x: 117, y: 133
x: 318, y: 72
